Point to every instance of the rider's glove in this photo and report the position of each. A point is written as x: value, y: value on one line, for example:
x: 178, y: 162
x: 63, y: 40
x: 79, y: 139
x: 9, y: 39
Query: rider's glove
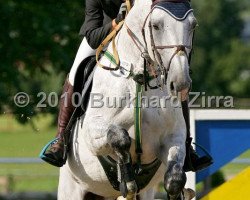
x: 122, y: 13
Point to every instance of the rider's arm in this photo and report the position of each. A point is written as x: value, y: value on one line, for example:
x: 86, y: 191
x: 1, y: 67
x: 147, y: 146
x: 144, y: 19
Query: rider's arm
x: 95, y: 30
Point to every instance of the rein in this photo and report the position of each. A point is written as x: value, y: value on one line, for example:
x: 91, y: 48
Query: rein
x: 111, y: 37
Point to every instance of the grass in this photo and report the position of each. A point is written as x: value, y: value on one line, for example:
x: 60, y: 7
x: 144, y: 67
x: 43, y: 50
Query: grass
x: 29, y: 177
x: 23, y: 141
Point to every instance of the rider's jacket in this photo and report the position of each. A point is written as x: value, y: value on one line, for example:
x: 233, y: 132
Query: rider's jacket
x: 98, y: 20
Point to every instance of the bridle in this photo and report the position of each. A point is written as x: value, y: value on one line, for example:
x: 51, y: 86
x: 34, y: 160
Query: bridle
x: 155, y: 65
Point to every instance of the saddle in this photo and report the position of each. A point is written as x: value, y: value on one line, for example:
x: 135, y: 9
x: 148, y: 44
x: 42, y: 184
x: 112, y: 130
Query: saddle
x: 83, y: 83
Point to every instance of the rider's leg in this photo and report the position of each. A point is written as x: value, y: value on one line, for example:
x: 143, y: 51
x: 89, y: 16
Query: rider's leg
x: 192, y: 161
x: 83, y: 52
x: 55, y: 151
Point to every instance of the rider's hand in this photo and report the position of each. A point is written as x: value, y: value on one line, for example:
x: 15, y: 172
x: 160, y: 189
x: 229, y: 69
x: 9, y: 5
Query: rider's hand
x: 122, y: 13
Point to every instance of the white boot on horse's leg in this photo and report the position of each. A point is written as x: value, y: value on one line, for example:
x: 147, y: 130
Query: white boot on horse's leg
x: 122, y: 198
x: 189, y: 194
x: 132, y: 189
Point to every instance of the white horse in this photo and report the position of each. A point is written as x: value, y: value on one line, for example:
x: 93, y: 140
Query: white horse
x: 109, y: 130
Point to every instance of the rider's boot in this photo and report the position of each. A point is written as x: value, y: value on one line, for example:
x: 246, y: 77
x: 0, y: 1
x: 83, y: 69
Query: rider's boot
x: 55, y: 152
x: 193, y: 162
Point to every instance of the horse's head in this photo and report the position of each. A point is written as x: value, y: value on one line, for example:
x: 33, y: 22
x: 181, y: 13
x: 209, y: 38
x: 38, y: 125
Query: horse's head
x: 169, y: 31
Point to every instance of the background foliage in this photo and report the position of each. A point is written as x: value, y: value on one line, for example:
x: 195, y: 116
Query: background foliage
x: 39, y: 39
x: 221, y: 65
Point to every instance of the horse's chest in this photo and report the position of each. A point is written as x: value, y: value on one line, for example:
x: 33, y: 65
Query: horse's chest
x: 154, y: 119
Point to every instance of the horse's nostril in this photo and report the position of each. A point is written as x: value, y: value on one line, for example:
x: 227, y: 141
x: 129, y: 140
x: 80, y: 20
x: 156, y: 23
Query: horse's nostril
x: 172, y: 86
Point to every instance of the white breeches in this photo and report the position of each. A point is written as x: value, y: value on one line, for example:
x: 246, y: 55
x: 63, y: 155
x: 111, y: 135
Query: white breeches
x: 83, y: 52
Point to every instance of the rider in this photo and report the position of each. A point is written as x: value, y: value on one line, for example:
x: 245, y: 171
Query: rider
x: 101, y: 17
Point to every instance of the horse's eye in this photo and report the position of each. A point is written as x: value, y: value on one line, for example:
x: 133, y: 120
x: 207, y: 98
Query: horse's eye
x: 156, y: 27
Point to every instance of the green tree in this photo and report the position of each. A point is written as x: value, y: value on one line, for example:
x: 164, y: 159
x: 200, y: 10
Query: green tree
x: 220, y: 63
x: 38, y: 42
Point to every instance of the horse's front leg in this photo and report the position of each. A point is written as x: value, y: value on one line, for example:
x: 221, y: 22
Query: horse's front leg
x: 119, y: 140
x: 173, y: 157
